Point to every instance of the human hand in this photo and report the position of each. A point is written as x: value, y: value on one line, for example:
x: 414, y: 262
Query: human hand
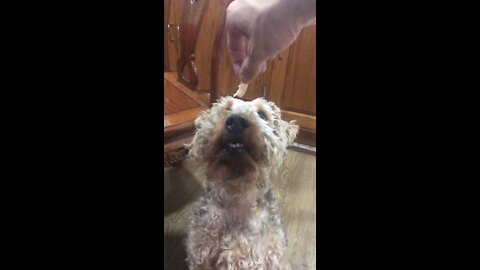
x: 257, y: 31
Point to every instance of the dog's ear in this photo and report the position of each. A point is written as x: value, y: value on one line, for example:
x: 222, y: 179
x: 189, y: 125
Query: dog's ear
x: 289, y: 130
x: 194, y: 148
x: 292, y: 131
x: 198, y: 122
x: 200, y: 119
x: 275, y: 110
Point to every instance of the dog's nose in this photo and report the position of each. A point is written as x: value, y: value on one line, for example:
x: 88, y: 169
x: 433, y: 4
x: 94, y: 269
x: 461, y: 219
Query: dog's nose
x: 236, y: 123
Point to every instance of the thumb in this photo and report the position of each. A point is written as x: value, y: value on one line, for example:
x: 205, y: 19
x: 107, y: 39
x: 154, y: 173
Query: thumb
x: 250, y: 69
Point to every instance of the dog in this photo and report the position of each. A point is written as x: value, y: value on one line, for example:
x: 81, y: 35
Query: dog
x: 236, y: 224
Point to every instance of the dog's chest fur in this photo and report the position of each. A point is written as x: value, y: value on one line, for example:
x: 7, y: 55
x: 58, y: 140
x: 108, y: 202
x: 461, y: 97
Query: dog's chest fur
x: 244, y: 228
x: 248, y: 212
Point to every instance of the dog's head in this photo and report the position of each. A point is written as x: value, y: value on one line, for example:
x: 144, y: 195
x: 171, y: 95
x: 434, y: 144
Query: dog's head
x: 236, y: 139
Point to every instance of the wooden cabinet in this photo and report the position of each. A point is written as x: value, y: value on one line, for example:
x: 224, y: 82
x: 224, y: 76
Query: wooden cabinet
x: 290, y: 80
x: 173, y: 13
x: 296, y: 96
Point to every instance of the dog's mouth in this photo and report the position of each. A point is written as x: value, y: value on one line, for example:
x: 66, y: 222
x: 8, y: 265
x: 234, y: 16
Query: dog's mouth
x: 236, y: 156
x: 233, y: 148
x: 237, y: 150
x: 233, y: 159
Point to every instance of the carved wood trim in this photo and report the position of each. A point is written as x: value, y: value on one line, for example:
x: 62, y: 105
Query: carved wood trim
x: 166, y: 13
x: 218, y: 46
x: 192, y: 17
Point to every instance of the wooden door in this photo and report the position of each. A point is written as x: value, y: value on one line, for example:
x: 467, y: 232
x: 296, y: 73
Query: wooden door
x: 173, y: 16
x: 293, y: 83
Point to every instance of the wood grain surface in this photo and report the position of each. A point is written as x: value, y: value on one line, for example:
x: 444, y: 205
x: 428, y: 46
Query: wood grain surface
x: 174, y: 101
x: 295, y: 189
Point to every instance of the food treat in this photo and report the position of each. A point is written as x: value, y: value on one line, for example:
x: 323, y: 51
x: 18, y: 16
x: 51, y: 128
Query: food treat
x: 242, y: 89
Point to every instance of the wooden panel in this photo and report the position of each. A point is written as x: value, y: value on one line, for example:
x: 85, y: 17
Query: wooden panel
x: 305, y: 121
x: 172, y: 51
x: 166, y: 6
x: 202, y: 99
x: 179, y: 129
x: 173, y: 45
x: 276, y: 82
x: 203, y: 51
x: 181, y: 117
x: 178, y: 10
x: 194, y: 13
x: 174, y: 100
x: 205, y: 47
x: 299, y: 94
x: 181, y: 107
x: 228, y: 80
x: 307, y: 138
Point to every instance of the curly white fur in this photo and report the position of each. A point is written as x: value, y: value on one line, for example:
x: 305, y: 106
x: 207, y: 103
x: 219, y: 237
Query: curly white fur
x: 236, y: 224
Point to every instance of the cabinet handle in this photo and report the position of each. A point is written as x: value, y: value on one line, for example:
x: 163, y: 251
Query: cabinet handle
x: 178, y: 32
x: 169, y: 32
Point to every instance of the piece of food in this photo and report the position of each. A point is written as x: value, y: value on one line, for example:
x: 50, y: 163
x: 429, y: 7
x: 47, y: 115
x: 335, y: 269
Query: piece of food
x: 242, y: 89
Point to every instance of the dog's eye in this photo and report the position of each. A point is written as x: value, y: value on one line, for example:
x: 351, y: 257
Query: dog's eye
x: 262, y: 115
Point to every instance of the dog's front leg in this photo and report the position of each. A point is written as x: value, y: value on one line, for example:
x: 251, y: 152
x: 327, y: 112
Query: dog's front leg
x: 206, y: 229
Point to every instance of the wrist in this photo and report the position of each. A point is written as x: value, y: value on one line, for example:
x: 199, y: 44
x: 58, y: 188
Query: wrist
x: 301, y: 11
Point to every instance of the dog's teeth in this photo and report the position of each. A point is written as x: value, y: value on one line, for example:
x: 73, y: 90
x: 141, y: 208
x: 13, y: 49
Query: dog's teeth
x: 235, y: 145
